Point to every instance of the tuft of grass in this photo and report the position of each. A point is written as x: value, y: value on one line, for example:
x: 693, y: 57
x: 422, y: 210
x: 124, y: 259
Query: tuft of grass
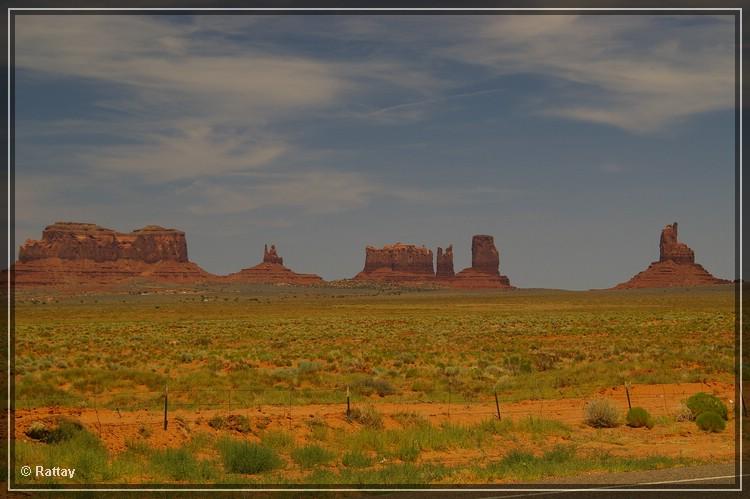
x: 356, y: 459
x: 180, y: 465
x: 367, y: 417
x: 247, y: 458
x: 278, y: 440
x: 710, y: 421
x: 310, y: 456
x: 601, y: 413
x: 408, y: 452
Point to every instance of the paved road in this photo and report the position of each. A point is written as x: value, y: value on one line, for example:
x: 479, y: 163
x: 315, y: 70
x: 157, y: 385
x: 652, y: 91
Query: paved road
x: 716, y: 476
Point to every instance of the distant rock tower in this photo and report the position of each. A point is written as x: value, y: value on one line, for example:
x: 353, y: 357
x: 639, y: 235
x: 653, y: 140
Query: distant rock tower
x: 270, y: 256
x: 676, y: 266
x: 444, y: 263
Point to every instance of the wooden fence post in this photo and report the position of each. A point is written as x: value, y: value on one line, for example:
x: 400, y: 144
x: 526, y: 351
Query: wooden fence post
x: 627, y: 393
x: 348, y: 406
x: 497, y: 406
x: 744, y: 407
x: 166, y: 404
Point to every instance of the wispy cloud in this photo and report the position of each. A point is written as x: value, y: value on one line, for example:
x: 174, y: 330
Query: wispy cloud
x: 639, y: 73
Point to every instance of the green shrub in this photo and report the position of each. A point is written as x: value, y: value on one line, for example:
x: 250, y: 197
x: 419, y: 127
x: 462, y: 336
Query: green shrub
x: 601, y: 413
x: 248, y: 458
x: 311, y: 455
x: 703, y: 402
x: 639, y: 417
x: 710, y: 421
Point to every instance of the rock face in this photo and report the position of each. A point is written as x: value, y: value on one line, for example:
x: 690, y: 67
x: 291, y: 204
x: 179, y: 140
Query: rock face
x: 484, y: 256
x: 444, y: 263
x: 396, y: 263
x: 485, y: 266
x: 79, y: 241
x: 676, y: 266
x: 272, y: 271
x: 72, y: 253
x: 671, y: 249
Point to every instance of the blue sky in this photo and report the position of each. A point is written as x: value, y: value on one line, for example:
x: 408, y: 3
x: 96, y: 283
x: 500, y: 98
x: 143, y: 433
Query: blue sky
x: 572, y: 139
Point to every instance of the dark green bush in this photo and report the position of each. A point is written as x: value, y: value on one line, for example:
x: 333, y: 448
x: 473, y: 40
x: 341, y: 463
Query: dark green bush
x: 65, y: 430
x: 639, y: 417
x: 710, y: 421
x: 703, y: 402
x: 248, y: 458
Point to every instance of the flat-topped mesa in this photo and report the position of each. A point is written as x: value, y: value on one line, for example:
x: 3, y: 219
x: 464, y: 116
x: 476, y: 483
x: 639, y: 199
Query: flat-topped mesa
x: 444, y: 263
x: 397, y: 262
x: 671, y: 249
x: 83, y: 254
x: 676, y: 266
x: 484, y: 256
x: 272, y: 271
x: 81, y: 241
x: 270, y: 256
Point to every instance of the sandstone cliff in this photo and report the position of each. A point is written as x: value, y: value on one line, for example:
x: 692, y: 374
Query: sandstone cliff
x: 397, y: 262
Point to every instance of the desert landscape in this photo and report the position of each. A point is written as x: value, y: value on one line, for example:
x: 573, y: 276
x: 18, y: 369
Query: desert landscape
x: 134, y: 365
x: 374, y: 250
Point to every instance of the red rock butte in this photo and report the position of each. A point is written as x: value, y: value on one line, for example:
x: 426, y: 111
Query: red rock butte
x: 676, y: 266
x: 71, y: 253
x: 409, y: 263
x: 397, y: 263
x: 485, y: 267
x: 272, y: 271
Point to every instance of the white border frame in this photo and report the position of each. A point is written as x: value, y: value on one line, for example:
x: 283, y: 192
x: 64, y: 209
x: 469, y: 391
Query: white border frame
x: 380, y: 9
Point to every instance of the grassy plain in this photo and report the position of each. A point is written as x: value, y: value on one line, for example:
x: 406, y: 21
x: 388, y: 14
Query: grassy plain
x: 249, y: 346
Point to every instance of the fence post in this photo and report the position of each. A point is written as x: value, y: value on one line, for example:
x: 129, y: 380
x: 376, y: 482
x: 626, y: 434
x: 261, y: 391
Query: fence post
x: 744, y: 407
x: 627, y: 393
x: 166, y: 403
x: 348, y: 407
x: 290, y: 408
x: 96, y: 410
x: 497, y: 406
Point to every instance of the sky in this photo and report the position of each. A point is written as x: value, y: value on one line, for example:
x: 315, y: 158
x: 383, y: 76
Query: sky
x: 572, y: 139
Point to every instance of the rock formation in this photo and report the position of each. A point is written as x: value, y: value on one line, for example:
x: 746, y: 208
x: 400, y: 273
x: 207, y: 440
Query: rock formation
x: 485, y: 266
x: 444, y: 263
x: 272, y: 271
x: 671, y: 249
x: 676, y: 266
x: 72, y: 253
x: 397, y: 262
x: 271, y: 256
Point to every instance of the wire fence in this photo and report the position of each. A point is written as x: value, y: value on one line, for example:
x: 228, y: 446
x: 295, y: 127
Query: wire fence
x: 159, y: 409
